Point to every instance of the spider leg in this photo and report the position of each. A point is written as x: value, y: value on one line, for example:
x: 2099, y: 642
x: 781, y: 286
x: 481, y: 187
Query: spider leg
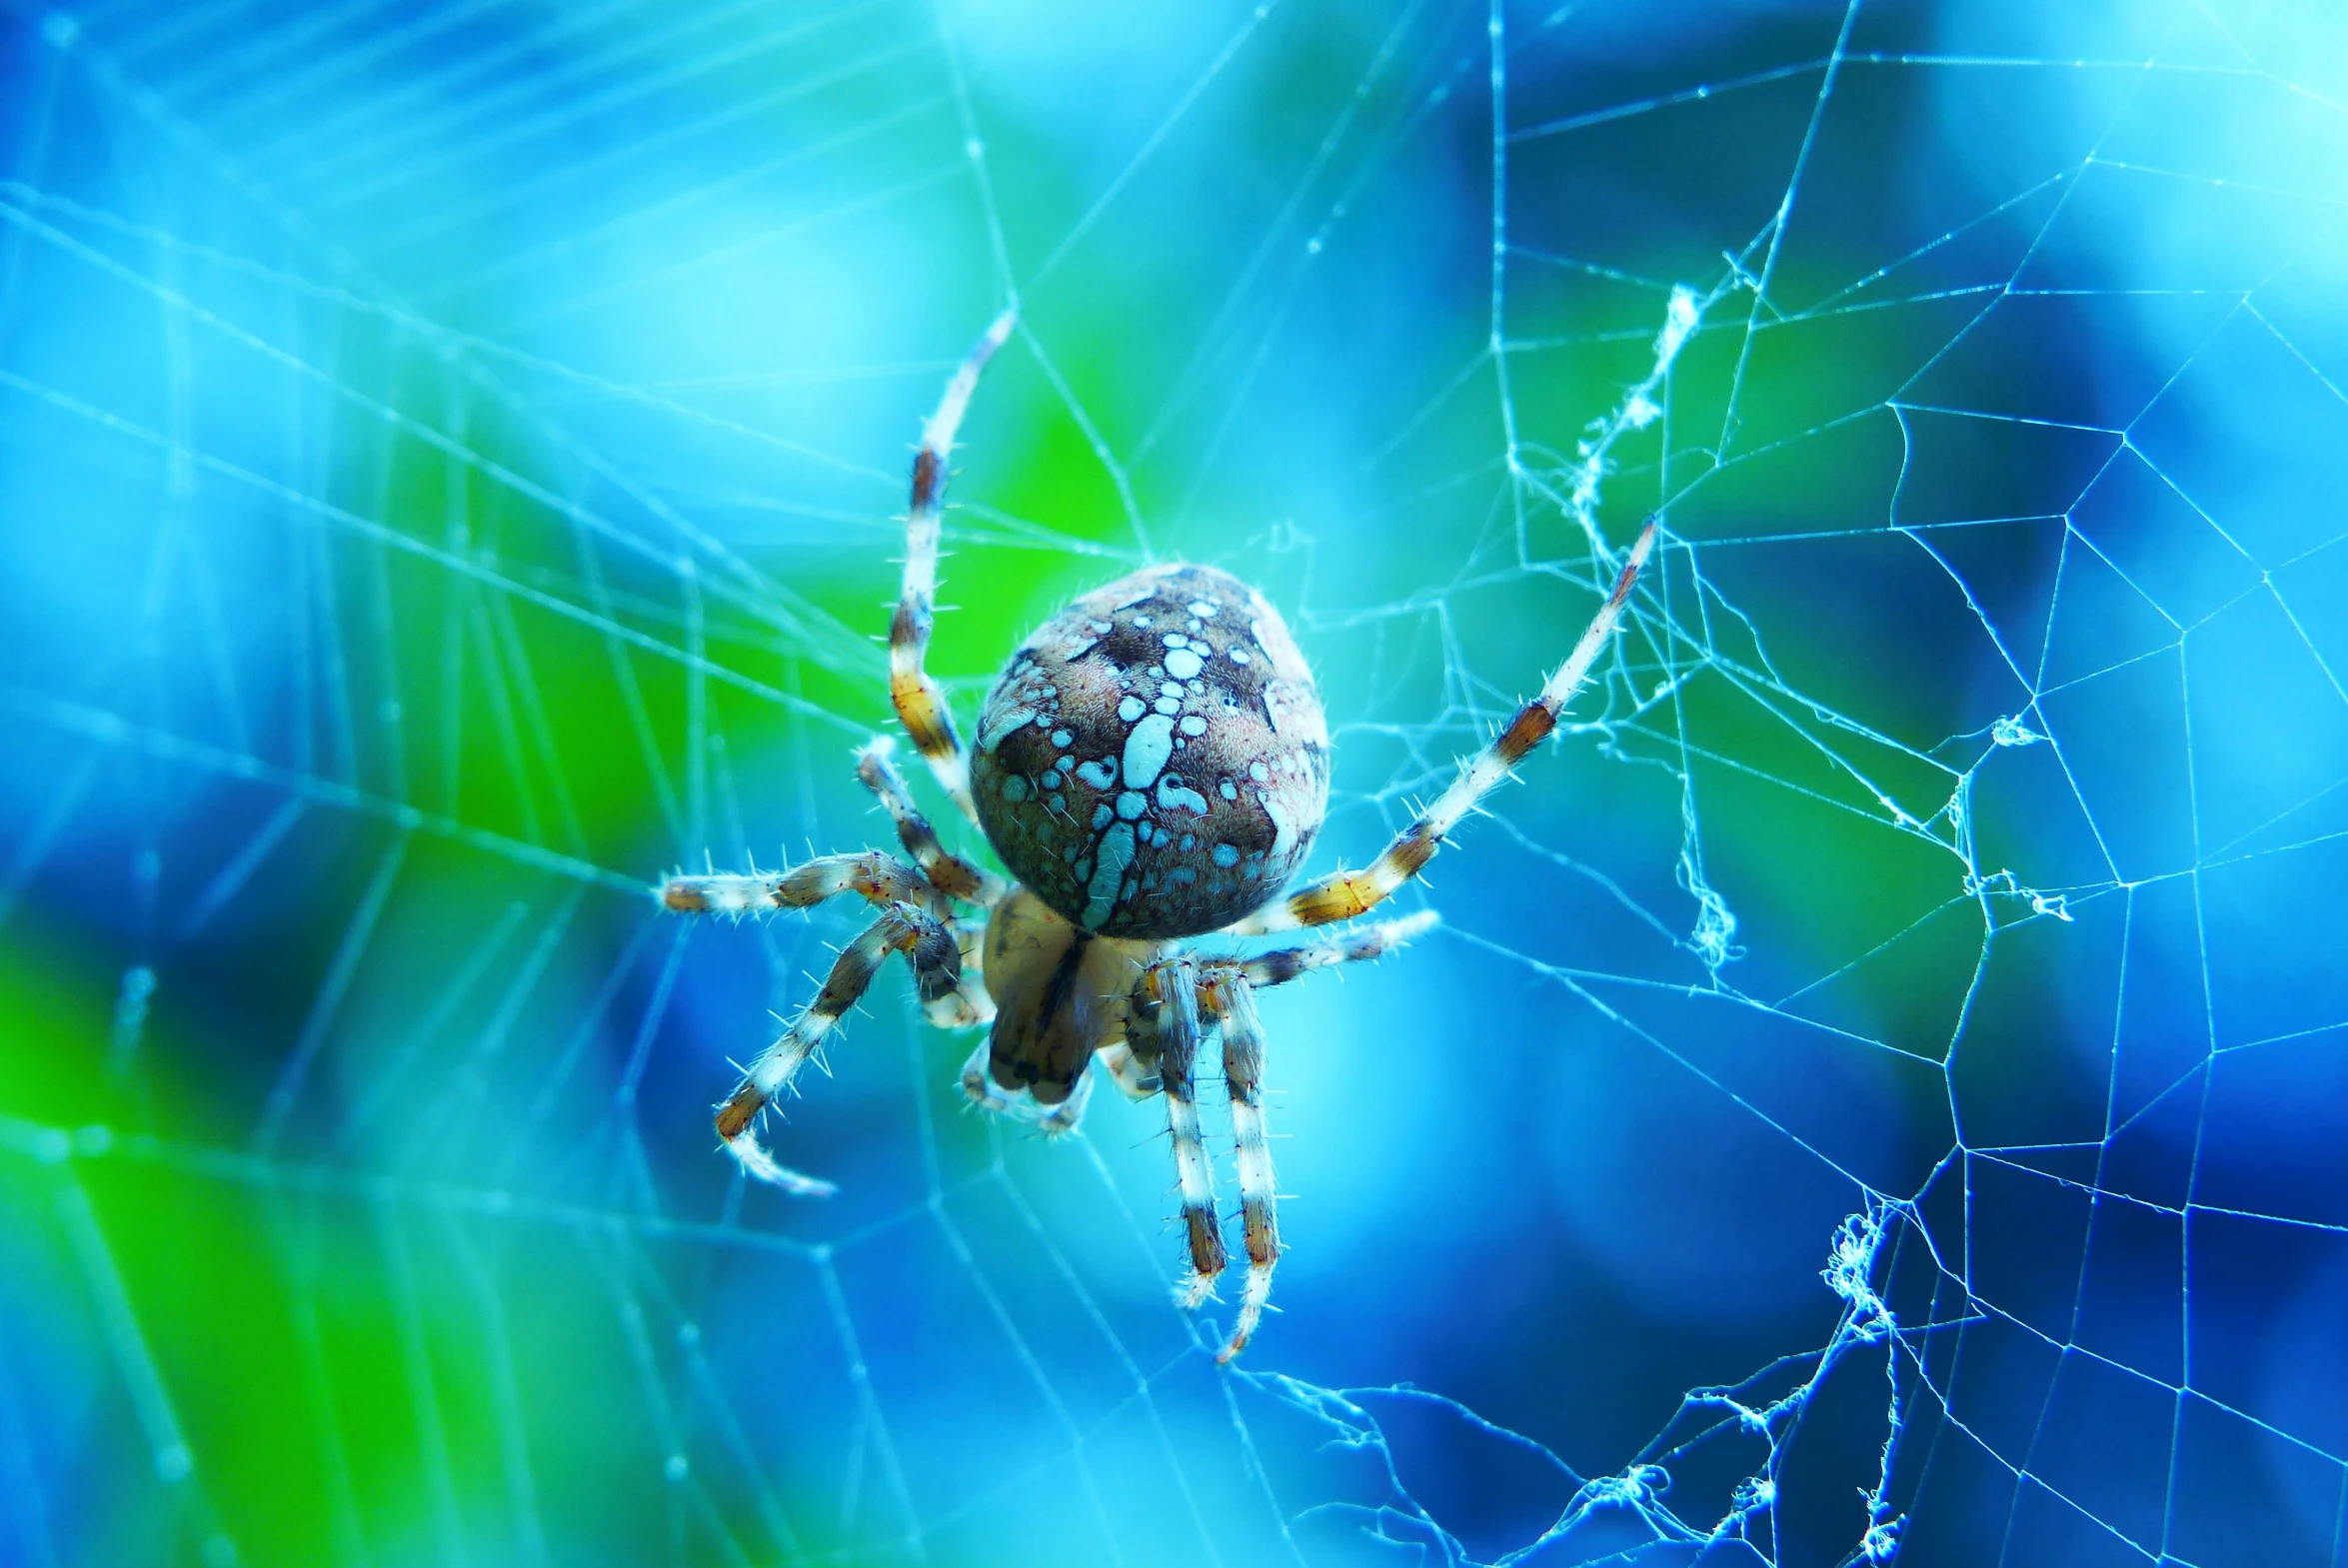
x: 882, y: 878
x: 1168, y: 1001
x: 1226, y: 993
x: 919, y: 700
x: 936, y: 965
x: 968, y: 1005
x: 1134, y: 1078
x: 1343, y: 894
x: 948, y: 872
x: 1229, y: 996
x: 1278, y: 965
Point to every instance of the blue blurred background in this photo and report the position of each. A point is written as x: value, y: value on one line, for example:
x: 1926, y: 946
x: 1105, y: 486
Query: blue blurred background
x: 1879, y: 1087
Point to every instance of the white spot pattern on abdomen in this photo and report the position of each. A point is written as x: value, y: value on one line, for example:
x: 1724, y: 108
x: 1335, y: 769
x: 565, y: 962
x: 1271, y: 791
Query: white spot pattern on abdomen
x: 1153, y: 761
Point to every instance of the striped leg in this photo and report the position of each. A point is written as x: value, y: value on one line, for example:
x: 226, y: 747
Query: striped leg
x: 1168, y: 996
x: 948, y: 872
x: 928, y: 946
x: 920, y: 701
x: 1283, y: 964
x: 1230, y: 997
x: 882, y: 878
x: 968, y: 1005
x: 1344, y: 894
x: 1227, y: 992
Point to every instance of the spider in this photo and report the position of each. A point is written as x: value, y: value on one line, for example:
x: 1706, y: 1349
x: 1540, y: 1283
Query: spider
x: 1151, y: 766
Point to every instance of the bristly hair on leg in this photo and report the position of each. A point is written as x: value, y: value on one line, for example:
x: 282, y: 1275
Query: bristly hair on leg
x: 950, y: 873
x: 1342, y: 895
x: 1229, y: 998
x: 937, y: 964
x: 1355, y: 944
x: 919, y: 698
x: 1169, y: 987
x: 880, y: 879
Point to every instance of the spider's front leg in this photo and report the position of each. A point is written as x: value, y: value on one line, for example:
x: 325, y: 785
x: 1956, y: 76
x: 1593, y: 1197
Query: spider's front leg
x: 919, y: 698
x: 937, y: 964
x: 1166, y: 1024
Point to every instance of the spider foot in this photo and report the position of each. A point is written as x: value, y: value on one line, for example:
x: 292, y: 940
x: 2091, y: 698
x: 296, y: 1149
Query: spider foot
x: 754, y: 1159
x: 1194, y: 1291
x: 1252, y: 1298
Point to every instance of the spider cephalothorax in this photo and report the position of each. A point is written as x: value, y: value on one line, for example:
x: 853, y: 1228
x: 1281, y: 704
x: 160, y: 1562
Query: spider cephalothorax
x: 1151, y: 766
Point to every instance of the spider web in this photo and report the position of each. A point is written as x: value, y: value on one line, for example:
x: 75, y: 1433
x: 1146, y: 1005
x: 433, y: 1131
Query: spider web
x: 1874, y: 1093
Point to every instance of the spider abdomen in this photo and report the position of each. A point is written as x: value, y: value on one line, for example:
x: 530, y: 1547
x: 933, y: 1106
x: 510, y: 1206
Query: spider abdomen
x: 1153, y: 762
